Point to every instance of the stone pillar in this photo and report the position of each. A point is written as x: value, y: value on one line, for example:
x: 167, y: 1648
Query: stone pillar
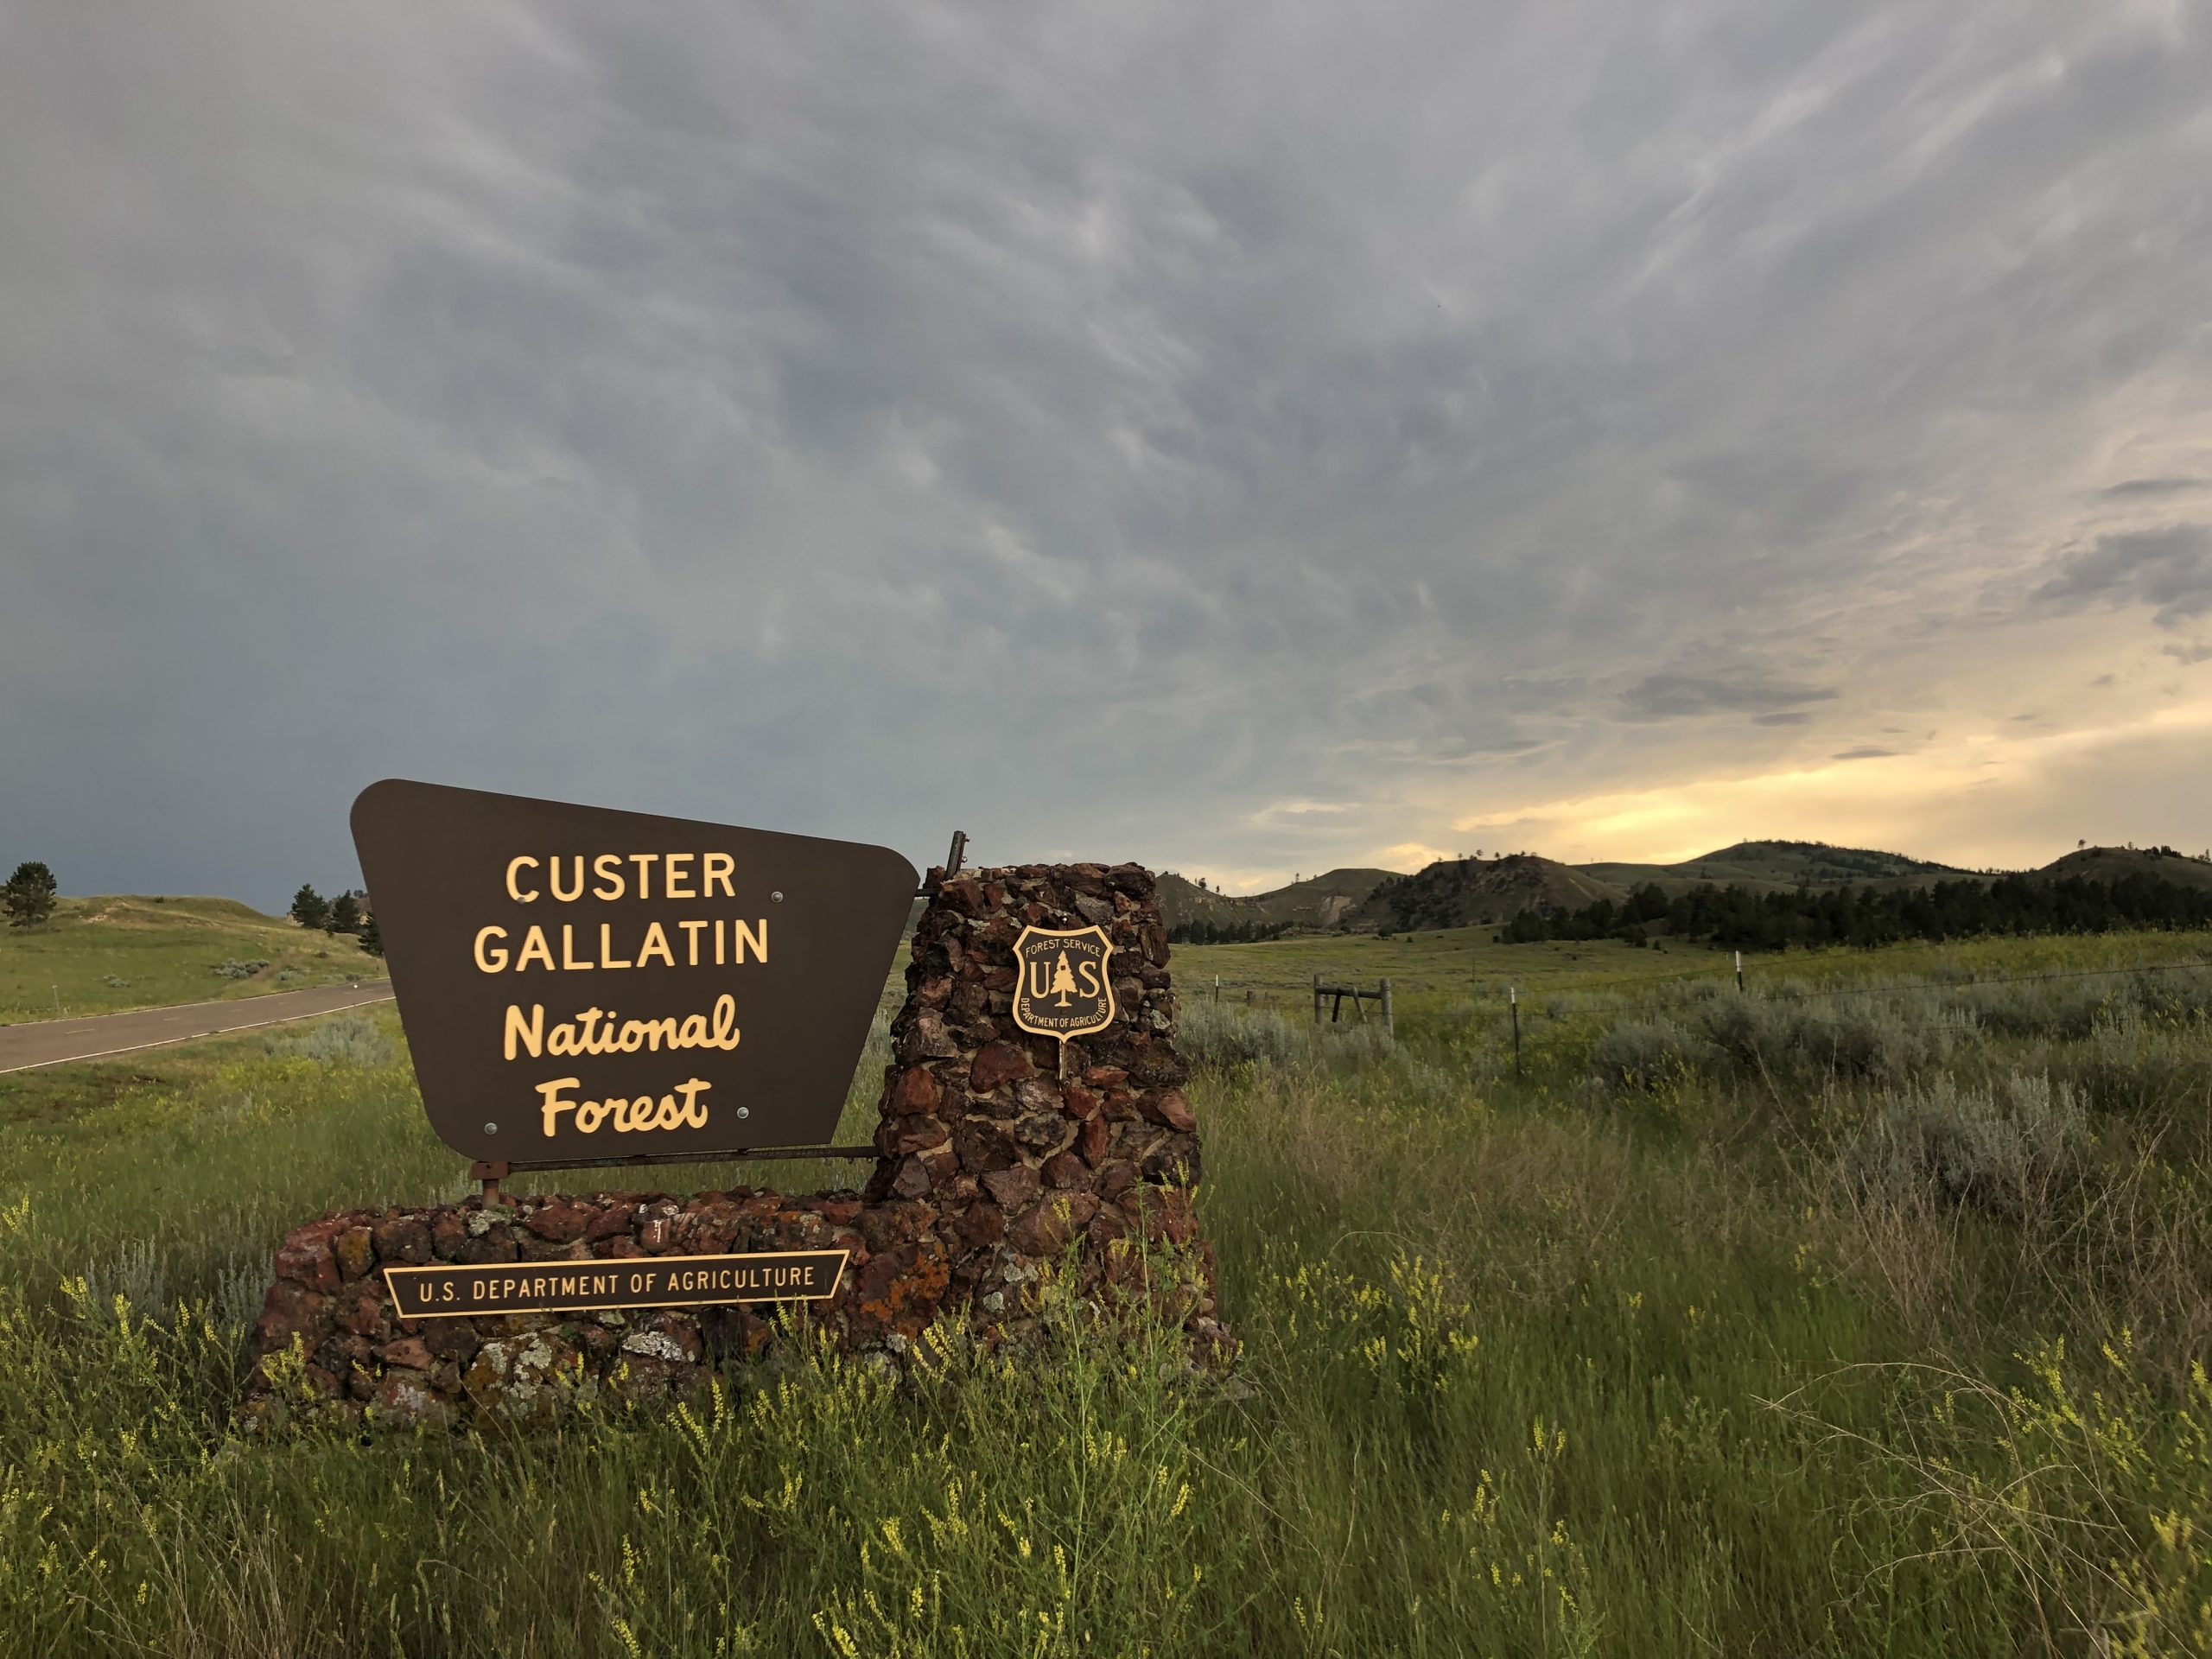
x: 1026, y: 1157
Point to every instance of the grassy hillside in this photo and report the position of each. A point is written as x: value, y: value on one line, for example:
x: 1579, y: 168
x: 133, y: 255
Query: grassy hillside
x: 1466, y: 891
x: 102, y: 955
x: 1764, y: 866
x: 2111, y: 863
x: 1853, y: 1316
x: 1318, y: 901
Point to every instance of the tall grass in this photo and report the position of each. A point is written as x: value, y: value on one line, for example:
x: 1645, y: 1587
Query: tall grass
x: 1875, y: 1326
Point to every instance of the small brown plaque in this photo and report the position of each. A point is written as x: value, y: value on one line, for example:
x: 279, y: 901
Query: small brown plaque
x: 608, y: 1282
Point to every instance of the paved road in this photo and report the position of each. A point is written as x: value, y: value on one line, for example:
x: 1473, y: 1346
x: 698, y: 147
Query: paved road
x: 54, y: 1042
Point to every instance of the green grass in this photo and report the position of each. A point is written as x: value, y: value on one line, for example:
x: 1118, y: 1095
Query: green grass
x: 105, y: 955
x: 1647, y: 1361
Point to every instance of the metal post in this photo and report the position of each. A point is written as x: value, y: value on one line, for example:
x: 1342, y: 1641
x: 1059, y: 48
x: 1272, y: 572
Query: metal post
x: 1740, y: 973
x: 1316, y: 996
x: 1388, y: 1023
x: 1513, y: 999
x: 1217, y: 988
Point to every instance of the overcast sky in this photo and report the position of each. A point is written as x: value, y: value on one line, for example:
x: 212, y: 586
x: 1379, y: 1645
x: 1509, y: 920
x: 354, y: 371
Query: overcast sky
x: 1245, y: 439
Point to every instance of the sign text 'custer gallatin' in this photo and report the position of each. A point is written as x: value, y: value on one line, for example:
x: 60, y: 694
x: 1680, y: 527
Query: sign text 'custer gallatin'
x: 577, y: 983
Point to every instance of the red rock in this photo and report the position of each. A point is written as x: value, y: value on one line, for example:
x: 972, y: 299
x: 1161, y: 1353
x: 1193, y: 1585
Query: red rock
x: 1066, y: 1171
x: 1081, y: 1101
x: 982, y: 1225
x: 355, y: 1252
x: 916, y: 1092
x: 1114, y: 1179
x: 289, y: 1309
x: 410, y: 1352
x: 914, y: 1178
x: 362, y: 1307
x: 1168, y: 1106
x: 403, y: 1238
x: 305, y: 1256
x: 614, y: 1219
x: 1039, y: 1094
x: 1048, y: 1226
x: 1105, y: 1077
x: 559, y: 1221
x: 980, y: 1146
x: 904, y: 1134
x: 1041, y: 1131
x: 1092, y: 1140
x: 1013, y: 1187
x: 996, y: 1064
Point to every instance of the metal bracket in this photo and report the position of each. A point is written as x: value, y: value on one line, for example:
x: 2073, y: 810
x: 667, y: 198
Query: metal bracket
x: 951, y: 864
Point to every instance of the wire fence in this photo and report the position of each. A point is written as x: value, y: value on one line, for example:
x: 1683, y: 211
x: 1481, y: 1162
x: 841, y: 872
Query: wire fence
x: 1219, y: 990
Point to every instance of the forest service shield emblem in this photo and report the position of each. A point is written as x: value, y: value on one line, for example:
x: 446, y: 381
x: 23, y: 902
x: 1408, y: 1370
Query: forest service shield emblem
x: 1062, y: 989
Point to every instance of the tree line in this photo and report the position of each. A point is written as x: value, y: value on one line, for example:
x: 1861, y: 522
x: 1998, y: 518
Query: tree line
x: 1204, y: 932
x: 349, y: 912
x: 1745, y: 920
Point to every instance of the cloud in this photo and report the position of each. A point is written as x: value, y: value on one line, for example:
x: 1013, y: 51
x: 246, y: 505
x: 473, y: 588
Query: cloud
x: 1083, y: 428
x: 2169, y: 569
x: 1865, y: 752
x: 2136, y: 487
x: 1674, y: 696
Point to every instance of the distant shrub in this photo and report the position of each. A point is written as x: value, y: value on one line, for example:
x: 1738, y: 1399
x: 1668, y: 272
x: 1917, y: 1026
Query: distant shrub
x: 233, y: 969
x: 1867, y: 1041
x: 1648, y: 1054
x: 114, y: 984
x: 347, y: 1041
x: 1221, y: 1037
x: 1997, y: 1148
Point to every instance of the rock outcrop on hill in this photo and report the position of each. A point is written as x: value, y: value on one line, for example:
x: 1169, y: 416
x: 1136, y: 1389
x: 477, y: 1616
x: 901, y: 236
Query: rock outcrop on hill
x: 1461, y: 892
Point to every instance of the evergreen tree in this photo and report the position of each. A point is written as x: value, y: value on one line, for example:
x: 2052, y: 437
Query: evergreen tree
x: 310, y: 908
x: 28, y: 896
x: 345, y: 915
x: 1063, y: 981
x: 371, y: 941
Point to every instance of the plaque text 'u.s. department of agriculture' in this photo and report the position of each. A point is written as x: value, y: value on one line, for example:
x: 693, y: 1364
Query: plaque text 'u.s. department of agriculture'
x: 615, y: 1283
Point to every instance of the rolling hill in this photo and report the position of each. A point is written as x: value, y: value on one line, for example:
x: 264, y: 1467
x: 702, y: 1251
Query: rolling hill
x: 1767, y: 866
x: 1460, y: 892
x: 133, y: 950
x: 1319, y: 901
x: 2110, y: 863
x: 1457, y: 892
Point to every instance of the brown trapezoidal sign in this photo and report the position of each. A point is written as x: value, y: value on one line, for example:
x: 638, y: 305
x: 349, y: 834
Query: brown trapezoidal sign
x: 581, y: 984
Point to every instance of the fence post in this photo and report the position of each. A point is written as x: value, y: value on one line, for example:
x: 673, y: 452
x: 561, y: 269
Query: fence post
x: 1740, y: 973
x: 1390, y: 1024
x: 1316, y: 996
x: 1513, y: 999
x: 1217, y: 988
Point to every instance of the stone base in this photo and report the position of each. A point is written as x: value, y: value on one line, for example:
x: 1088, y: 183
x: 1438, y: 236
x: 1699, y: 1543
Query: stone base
x: 1000, y: 1157
x: 907, y: 1268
